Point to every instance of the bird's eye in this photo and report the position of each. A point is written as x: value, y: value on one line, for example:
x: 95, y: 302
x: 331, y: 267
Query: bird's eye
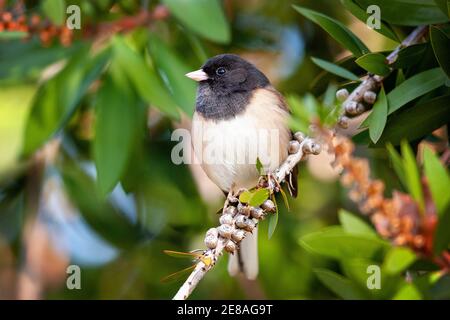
x: 220, y: 71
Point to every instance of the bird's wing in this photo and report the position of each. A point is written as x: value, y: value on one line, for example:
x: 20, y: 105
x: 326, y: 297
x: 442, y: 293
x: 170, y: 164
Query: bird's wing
x: 291, y: 179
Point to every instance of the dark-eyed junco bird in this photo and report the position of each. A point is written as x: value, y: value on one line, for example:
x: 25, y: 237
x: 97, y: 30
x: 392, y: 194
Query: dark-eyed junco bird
x: 239, y: 117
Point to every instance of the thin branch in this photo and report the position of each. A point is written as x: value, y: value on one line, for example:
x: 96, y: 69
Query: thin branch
x: 413, y: 38
x: 365, y: 92
x: 302, y: 147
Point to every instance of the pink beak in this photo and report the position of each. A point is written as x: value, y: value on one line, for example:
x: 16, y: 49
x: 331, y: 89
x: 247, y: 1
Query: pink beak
x: 198, y: 75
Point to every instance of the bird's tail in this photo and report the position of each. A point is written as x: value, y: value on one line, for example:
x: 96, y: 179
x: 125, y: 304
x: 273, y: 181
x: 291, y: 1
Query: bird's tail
x: 245, y: 260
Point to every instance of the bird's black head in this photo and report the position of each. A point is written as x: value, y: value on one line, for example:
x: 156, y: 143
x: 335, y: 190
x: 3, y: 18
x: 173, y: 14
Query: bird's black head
x: 226, y: 84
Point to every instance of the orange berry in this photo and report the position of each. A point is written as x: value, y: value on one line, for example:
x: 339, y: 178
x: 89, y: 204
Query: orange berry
x: 13, y: 26
x: 45, y: 37
x: 35, y: 20
x: 52, y: 30
x: 419, y: 241
x: 66, y: 31
x: 7, y: 16
x: 23, y: 28
x: 66, y: 41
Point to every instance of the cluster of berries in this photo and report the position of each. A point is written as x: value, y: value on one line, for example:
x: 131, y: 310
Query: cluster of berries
x: 35, y: 25
x: 398, y: 218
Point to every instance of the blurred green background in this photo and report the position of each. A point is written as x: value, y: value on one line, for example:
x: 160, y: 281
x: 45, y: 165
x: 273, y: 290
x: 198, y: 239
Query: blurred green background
x: 103, y: 193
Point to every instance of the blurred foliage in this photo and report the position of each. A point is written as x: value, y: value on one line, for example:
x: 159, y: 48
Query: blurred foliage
x: 111, y: 200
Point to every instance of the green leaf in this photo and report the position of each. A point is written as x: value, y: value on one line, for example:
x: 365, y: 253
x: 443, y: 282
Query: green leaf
x: 55, y: 10
x: 197, y: 46
x: 57, y: 99
x: 259, y: 167
x: 12, y: 35
x: 245, y: 196
x: 410, y: 56
x: 174, y: 69
x: 259, y: 196
x: 407, y: 12
x: 354, y: 225
x: 335, y: 69
x: 273, y: 220
x: 362, y: 15
x: 15, y: 104
x: 412, y: 174
x: 285, y: 199
x: 334, y: 242
x: 144, y: 79
x: 336, y: 29
x: 378, y: 117
x: 441, y: 47
x: 254, y: 198
x: 397, y: 162
x: 438, y: 180
x: 115, y: 131
x: 340, y: 285
x: 441, y: 240
x: 398, y: 259
x: 400, y: 77
x: 441, y: 289
x: 414, y: 87
x: 374, y: 63
x: 408, y: 292
x: 323, y: 79
x: 443, y: 5
x: 204, y: 17
x: 416, y: 122
x: 361, y: 273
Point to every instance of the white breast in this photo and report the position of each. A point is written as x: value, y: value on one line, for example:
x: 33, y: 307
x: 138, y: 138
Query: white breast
x: 228, y: 149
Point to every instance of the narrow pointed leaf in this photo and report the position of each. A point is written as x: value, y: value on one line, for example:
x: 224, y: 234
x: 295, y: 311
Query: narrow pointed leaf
x: 173, y: 68
x: 438, y: 180
x: 362, y: 15
x: 115, y: 131
x: 441, y: 47
x: 55, y: 10
x: 417, y: 121
x: 441, y: 239
x: 397, y: 163
x: 410, y: 56
x: 273, y: 220
x: 414, y: 87
x: 341, y: 286
x: 443, y: 5
x: 407, y: 12
x: 285, y: 199
x: 336, y: 29
x: 412, y: 174
x: 374, y: 63
x: 144, y: 79
x: 334, y: 242
x: 398, y: 259
x: 335, y: 69
x: 378, y: 117
x: 355, y: 225
x: 204, y: 17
